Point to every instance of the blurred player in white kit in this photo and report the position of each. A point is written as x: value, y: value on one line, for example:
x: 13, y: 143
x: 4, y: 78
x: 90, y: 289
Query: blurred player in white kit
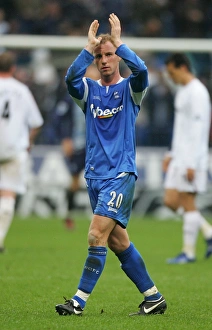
x: 20, y: 120
x: 187, y: 163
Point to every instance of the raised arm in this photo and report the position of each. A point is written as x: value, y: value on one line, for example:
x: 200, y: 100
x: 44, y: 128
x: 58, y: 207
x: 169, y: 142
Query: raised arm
x: 115, y: 30
x: 76, y: 72
x: 93, y: 41
x: 139, y: 77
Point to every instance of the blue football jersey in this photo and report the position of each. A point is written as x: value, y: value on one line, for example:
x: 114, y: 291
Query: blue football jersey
x: 110, y: 113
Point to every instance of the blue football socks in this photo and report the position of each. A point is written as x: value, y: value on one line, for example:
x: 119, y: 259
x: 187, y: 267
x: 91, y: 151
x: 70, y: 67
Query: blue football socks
x: 93, y: 268
x: 134, y: 267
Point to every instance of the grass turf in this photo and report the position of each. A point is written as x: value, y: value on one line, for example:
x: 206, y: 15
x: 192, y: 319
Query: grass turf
x: 43, y: 263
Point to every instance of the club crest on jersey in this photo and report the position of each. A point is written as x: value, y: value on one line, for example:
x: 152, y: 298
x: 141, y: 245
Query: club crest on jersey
x: 116, y: 95
x: 106, y: 113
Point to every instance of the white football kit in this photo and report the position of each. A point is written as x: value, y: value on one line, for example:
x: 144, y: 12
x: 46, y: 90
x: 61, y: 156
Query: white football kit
x: 190, y: 144
x: 18, y: 114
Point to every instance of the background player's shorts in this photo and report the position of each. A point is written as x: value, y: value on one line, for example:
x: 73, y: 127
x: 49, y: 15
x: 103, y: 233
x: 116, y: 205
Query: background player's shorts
x: 176, y: 179
x: 113, y: 198
x: 76, y: 163
x: 13, y: 174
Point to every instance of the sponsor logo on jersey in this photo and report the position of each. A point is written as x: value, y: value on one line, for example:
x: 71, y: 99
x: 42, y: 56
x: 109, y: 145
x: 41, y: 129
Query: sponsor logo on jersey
x: 104, y: 113
x: 97, y: 98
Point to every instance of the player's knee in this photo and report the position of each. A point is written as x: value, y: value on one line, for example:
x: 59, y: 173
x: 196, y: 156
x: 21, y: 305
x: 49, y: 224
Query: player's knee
x: 94, y: 237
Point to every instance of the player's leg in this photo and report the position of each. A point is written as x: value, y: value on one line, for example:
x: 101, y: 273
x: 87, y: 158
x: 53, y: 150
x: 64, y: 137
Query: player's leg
x: 192, y: 218
x: 201, y: 179
x: 131, y: 261
x: 190, y: 228
x: 70, y: 196
x: 175, y: 183
x: 171, y: 192
x: 134, y: 267
x: 119, y: 202
x: 191, y: 224
x: 7, y: 207
x: 106, y: 198
x: 172, y: 199
x: 12, y: 181
x: 193, y: 221
x: 206, y: 229
x: 99, y: 231
x: 76, y: 163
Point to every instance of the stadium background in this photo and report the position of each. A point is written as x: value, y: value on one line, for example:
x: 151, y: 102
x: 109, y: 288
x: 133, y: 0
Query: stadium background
x: 47, y: 35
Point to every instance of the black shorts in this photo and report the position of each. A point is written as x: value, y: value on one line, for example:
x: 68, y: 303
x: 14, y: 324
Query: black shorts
x: 76, y: 163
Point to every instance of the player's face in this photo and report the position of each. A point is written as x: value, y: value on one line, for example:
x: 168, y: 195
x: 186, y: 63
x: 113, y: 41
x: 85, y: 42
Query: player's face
x: 106, y: 60
x: 176, y: 74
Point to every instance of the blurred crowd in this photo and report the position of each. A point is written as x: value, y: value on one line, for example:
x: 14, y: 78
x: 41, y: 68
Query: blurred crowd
x: 140, y: 18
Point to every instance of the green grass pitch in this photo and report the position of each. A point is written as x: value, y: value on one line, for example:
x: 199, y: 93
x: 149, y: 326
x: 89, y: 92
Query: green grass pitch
x: 43, y: 263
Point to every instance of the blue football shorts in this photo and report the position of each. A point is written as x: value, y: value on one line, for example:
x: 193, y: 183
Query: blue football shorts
x: 113, y: 198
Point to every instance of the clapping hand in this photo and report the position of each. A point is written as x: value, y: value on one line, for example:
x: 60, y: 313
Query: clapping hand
x: 115, y: 29
x: 94, y: 41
